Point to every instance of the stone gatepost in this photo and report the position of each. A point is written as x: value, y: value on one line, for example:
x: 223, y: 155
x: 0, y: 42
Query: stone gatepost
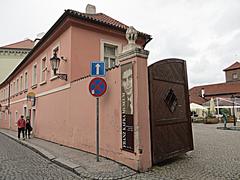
x: 135, y: 102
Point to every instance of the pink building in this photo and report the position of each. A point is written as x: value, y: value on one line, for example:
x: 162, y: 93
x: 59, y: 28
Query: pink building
x: 144, y: 114
x: 60, y: 106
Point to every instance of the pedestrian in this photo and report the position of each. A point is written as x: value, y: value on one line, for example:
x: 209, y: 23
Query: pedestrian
x: 28, y: 128
x: 21, y: 123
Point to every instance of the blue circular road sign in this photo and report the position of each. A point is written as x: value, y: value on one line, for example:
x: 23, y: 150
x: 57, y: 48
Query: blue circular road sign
x: 97, y: 86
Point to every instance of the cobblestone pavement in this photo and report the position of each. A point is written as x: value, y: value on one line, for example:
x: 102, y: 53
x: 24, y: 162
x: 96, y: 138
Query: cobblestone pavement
x: 20, y: 163
x: 216, y: 156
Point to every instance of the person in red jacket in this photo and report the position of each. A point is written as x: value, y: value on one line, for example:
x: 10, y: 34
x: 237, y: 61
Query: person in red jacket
x: 21, y: 123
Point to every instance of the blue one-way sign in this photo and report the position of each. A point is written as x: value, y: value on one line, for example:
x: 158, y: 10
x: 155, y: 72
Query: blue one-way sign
x: 98, y: 68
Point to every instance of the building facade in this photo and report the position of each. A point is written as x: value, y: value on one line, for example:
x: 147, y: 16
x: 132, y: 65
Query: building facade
x: 11, y: 55
x: 225, y: 95
x: 232, y: 73
x: 62, y: 110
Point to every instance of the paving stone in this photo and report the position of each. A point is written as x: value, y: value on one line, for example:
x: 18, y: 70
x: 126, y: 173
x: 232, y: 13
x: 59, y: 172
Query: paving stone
x: 215, y: 156
x: 19, y: 162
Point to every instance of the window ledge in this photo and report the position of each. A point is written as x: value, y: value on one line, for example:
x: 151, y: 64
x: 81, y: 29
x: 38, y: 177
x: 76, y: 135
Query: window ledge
x: 53, y: 78
x: 34, y: 86
x: 42, y: 83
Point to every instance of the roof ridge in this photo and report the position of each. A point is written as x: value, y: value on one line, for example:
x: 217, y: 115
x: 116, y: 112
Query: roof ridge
x: 94, y: 18
x: 113, y: 19
x: 235, y: 65
x: 216, y: 84
x: 107, y: 20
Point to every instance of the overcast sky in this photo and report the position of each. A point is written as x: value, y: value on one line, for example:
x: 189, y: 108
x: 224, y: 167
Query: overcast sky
x: 204, y: 33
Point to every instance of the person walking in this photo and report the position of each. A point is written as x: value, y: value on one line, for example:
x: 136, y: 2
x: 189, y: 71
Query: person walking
x: 28, y: 128
x: 21, y: 123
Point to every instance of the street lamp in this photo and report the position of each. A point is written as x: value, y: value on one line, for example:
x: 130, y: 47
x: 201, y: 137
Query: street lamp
x: 55, y: 62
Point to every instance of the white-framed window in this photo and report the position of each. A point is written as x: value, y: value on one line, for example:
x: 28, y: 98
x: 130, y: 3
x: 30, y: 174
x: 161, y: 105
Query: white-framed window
x: 25, y: 80
x: 25, y: 111
x: 110, y: 55
x: 7, y: 92
x: 14, y: 87
x: 4, y: 93
x: 16, y: 116
x: 234, y: 76
x: 11, y: 89
x: 43, y: 69
x: 21, y: 83
x: 109, y: 52
x: 34, y: 75
x: 17, y: 86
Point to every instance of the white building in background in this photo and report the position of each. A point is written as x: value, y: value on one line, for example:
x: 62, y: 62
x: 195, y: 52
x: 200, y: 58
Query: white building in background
x: 11, y: 55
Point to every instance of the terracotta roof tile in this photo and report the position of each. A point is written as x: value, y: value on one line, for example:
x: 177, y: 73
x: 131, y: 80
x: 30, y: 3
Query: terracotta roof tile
x: 101, y: 18
x: 214, y: 90
x: 236, y: 65
x: 25, y: 44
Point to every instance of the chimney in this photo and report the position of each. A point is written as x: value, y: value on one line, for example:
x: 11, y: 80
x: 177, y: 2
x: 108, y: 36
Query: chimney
x: 90, y: 9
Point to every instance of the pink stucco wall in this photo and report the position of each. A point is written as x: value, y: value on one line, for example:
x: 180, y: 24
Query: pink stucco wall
x: 19, y: 100
x: 86, y: 48
x: 70, y: 119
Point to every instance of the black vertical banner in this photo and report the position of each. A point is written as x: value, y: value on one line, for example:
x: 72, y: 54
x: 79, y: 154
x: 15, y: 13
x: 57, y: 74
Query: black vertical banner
x: 127, y: 107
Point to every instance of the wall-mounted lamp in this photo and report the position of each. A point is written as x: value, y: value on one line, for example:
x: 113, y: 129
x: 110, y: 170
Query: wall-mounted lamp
x: 55, y: 62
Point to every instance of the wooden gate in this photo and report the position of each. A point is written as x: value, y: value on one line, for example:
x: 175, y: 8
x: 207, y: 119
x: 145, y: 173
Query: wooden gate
x: 171, y: 129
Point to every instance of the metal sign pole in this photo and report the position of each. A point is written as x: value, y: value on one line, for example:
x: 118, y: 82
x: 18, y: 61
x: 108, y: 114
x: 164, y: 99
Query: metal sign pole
x: 97, y: 126
x: 97, y: 87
